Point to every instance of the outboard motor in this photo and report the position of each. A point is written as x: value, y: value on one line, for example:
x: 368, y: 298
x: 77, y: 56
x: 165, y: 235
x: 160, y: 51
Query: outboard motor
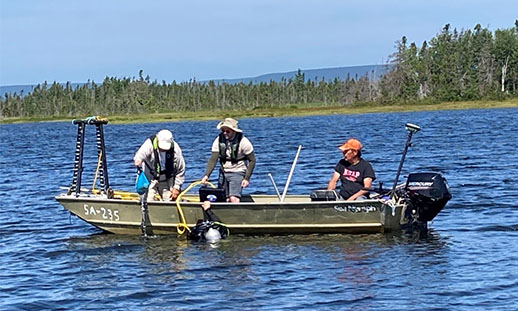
x: 427, y: 193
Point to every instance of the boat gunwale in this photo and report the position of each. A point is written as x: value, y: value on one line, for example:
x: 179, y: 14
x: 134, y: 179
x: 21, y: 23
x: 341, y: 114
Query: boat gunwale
x: 65, y: 197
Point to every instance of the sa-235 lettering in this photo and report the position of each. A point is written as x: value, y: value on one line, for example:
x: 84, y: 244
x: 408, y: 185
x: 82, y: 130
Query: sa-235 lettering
x: 106, y: 213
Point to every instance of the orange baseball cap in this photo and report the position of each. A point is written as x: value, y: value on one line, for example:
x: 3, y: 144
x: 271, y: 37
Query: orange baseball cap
x: 351, y: 144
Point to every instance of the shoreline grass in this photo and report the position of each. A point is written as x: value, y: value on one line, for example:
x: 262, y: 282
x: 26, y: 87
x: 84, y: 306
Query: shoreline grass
x: 290, y: 111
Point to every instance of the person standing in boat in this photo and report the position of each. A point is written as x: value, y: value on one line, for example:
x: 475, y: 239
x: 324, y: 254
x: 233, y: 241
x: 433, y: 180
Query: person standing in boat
x: 354, y: 173
x: 237, y: 159
x: 161, y: 159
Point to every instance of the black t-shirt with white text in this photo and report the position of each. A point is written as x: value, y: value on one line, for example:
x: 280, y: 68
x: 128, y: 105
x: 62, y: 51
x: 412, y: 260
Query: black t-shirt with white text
x: 352, y: 176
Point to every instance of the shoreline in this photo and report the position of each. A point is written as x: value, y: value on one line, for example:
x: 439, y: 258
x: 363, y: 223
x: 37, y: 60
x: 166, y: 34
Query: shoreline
x: 290, y: 111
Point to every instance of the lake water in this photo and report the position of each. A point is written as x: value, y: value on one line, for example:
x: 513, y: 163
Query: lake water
x: 467, y: 261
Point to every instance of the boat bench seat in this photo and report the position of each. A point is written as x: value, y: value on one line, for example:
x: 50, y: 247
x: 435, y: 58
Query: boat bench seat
x: 324, y: 195
x: 247, y: 198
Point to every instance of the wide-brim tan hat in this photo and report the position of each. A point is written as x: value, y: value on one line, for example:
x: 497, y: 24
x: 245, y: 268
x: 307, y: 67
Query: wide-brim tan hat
x: 230, y: 123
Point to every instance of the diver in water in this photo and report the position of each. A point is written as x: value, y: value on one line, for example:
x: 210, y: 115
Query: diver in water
x: 209, y: 228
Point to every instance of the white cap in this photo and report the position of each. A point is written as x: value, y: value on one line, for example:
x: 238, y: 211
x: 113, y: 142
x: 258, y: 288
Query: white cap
x: 165, y: 139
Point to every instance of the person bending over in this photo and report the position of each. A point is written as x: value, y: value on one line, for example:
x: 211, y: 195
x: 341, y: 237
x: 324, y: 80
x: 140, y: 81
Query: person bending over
x: 161, y: 159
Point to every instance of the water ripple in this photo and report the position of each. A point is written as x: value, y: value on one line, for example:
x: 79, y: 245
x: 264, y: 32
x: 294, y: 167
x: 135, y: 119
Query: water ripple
x: 466, y: 261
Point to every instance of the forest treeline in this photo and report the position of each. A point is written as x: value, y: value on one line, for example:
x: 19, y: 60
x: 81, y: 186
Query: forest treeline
x: 453, y: 66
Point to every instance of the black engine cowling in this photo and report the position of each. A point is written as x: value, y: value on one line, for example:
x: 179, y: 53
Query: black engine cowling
x: 427, y: 193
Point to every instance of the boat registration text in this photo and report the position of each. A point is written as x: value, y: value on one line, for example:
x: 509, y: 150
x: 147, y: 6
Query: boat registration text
x: 106, y: 213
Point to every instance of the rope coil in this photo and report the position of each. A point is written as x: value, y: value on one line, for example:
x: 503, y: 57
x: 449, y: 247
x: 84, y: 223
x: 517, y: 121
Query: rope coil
x: 182, y: 224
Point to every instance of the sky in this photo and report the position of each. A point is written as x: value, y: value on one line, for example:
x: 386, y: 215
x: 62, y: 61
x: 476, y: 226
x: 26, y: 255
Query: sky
x: 78, y: 41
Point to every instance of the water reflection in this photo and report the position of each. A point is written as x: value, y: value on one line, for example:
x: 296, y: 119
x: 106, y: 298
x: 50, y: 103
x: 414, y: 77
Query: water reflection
x: 279, y: 262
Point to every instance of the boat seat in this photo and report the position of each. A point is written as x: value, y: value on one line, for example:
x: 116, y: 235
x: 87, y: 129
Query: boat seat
x: 247, y: 198
x: 324, y: 195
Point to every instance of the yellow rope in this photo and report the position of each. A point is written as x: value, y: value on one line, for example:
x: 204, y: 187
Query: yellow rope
x: 182, y: 224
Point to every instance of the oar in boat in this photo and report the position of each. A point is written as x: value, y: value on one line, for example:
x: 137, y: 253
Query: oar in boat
x: 274, y: 186
x: 411, y: 128
x: 291, y: 173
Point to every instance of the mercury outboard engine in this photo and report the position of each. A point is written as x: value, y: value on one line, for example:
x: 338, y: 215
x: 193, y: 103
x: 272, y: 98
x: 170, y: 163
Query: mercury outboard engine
x: 427, y: 194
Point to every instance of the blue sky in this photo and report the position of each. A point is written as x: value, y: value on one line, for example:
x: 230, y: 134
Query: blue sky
x: 179, y: 40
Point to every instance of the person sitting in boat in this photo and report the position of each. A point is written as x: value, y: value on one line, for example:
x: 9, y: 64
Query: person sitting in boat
x: 355, y: 174
x: 237, y: 159
x: 161, y: 159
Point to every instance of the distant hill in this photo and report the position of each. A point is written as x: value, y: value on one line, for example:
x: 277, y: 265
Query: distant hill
x: 328, y: 74
x: 25, y: 89
x: 11, y: 89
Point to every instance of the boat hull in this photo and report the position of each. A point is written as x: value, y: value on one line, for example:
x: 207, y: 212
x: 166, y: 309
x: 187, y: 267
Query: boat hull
x: 255, y: 215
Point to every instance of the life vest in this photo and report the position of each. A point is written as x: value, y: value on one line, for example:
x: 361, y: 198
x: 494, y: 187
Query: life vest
x: 156, y: 170
x: 234, y: 146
